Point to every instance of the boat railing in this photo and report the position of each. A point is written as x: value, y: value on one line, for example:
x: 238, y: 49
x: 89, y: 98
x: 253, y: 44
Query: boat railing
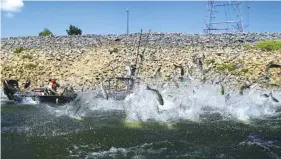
x: 120, y: 84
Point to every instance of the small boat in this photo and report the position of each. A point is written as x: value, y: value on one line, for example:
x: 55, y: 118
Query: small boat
x: 41, y: 97
x: 38, y: 94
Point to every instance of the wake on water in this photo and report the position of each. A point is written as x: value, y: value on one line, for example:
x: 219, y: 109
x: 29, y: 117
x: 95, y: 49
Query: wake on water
x: 191, y: 101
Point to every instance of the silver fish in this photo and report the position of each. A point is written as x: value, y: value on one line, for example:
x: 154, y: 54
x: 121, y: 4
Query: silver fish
x: 104, y: 93
x: 273, y: 98
x: 128, y: 69
x: 159, y: 96
x: 176, y: 83
x: 200, y: 65
x: 268, y: 67
x: 157, y: 71
x: 80, y: 105
x: 245, y: 86
x: 227, y: 97
x: 181, y: 69
x: 208, y: 69
x: 265, y: 95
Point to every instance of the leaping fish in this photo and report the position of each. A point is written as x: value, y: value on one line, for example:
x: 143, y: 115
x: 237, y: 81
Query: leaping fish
x: 200, y: 64
x: 265, y: 95
x: 128, y: 69
x: 175, y: 82
x: 104, y: 93
x: 222, y: 89
x: 181, y: 69
x: 80, y: 105
x: 208, y: 69
x: 227, y: 96
x: 245, y: 86
x: 133, y: 69
x: 273, y: 98
x: 157, y: 71
x: 159, y: 96
x: 269, y: 66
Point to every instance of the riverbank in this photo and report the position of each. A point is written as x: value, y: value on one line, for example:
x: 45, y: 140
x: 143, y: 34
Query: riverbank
x: 80, y: 60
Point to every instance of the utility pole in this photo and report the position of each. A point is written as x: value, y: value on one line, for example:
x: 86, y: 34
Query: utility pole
x: 127, y: 21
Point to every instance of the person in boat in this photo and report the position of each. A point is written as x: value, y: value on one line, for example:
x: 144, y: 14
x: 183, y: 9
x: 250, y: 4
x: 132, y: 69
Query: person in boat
x: 10, y: 87
x: 26, y: 85
x: 11, y: 84
x: 52, y: 87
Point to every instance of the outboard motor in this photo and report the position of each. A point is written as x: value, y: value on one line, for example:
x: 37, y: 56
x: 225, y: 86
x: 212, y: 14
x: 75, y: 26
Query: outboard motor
x: 10, y: 88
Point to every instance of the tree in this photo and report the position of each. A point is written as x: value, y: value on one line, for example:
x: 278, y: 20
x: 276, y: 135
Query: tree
x: 46, y: 32
x: 73, y: 30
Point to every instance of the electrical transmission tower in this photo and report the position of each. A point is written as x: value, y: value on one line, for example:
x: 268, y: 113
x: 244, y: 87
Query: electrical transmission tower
x: 225, y: 17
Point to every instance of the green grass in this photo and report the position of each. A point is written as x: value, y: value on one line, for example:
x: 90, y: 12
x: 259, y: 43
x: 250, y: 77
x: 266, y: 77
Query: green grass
x: 247, y: 46
x: 208, y: 62
x: 30, y: 65
x: 244, y: 70
x: 27, y: 56
x: 19, y: 50
x: 226, y: 67
x: 269, y: 45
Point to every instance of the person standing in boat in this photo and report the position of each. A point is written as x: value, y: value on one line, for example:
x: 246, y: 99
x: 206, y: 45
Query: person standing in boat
x: 10, y: 88
x: 52, y: 87
x: 11, y: 84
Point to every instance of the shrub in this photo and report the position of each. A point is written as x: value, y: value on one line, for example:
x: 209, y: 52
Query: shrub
x: 27, y: 57
x: 30, y: 65
x: 226, y: 66
x: 46, y: 32
x: 269, y: 45
x: 73, y: 30
x: 245, y: 70
x: 247, y: 46
x: 208, y: 62
x: 19, y: 50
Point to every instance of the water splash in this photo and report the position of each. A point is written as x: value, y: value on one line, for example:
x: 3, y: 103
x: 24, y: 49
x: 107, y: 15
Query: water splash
x: 137, y: 151
x: 28, y: 101
x: 84, y: 104
x: 191, y: 101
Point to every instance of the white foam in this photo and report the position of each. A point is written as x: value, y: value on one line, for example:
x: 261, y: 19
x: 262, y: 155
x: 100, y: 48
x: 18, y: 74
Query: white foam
x: 189, y: 102
x: 138, y: 150
x: 85, y: 104
x: 29, y: 101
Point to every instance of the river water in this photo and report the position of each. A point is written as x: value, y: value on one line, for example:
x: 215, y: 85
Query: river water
x: 194, y: 122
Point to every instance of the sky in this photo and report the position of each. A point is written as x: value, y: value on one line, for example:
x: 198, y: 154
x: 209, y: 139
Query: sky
x: 31, y: 17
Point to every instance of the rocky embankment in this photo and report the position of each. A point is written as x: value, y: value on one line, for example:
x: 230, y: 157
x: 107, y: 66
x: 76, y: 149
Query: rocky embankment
x: 86, y: 60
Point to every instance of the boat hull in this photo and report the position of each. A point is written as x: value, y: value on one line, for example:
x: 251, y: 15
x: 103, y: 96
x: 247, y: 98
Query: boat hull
x: 52, y: 99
